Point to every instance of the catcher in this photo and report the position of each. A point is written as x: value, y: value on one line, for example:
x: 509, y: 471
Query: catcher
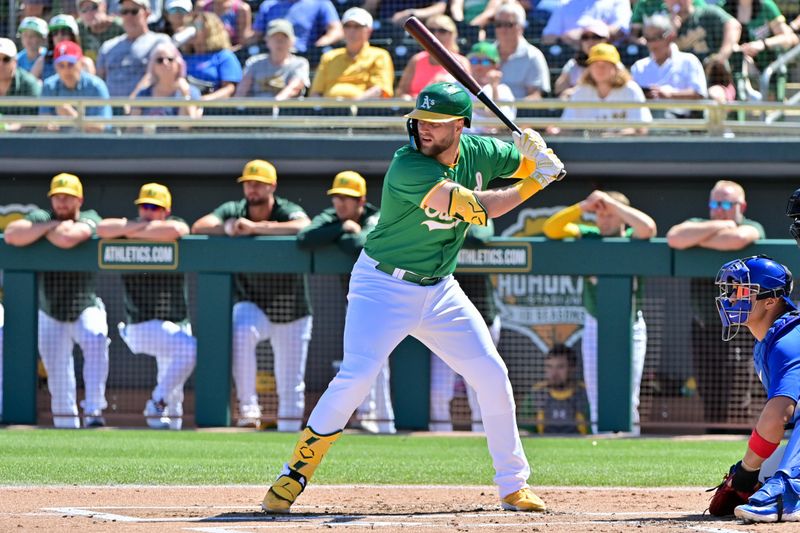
x: 754, y: 292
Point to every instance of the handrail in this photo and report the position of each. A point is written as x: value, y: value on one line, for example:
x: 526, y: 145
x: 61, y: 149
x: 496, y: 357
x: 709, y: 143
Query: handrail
x: 713, y: 121
x: 780, y: 62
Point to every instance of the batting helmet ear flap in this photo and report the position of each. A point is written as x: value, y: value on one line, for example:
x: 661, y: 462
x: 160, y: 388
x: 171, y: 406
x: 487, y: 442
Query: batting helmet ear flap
x: 413, y: 133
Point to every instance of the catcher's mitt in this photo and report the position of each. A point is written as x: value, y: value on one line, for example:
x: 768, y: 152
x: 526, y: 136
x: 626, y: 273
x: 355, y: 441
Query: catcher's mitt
x: 735, y: 489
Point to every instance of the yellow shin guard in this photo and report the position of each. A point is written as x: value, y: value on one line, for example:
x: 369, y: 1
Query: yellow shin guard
x: 307, y: 455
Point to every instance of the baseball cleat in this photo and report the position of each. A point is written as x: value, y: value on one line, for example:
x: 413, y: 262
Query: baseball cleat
x: 523, y: 500
x: 781, y: 510
x: 281, y: 495
x: 154, y: 415
x: 94, y: 420
x: 249, y: 416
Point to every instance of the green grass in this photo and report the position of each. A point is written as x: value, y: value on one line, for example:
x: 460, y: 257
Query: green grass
x: 34, y: 457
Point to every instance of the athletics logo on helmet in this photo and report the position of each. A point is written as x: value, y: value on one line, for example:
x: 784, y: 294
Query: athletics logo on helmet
x: 743, y: 281
x: 443, y: 102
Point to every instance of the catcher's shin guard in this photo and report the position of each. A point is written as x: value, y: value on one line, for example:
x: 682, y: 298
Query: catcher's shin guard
x: 307, y: 455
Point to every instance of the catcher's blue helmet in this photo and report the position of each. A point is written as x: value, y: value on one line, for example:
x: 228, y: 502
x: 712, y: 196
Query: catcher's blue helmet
x: 742, y: 279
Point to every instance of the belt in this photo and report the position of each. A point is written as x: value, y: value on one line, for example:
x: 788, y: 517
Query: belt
x: 423, y: 281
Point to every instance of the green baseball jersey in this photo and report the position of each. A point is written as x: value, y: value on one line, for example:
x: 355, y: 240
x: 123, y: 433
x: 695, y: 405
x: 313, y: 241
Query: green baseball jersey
x: 64, y: 295
x: 283, y: 297
x: 326, y: 228
x: 420, y: 239
x: 701, y: 32
x: 155, y: 295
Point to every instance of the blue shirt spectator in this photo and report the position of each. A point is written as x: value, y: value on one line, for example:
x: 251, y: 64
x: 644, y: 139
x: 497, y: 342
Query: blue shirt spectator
x: 315, y: 22
x: 210, y: 70
x: 211, y: 66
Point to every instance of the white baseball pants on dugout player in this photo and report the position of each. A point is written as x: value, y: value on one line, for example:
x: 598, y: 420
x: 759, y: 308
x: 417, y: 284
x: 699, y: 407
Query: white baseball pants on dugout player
x: 376, y: 411
x: 443, y: 382
x: 175, y: 351
x: 290, y: 348
x: 56, y: 341
x: 589, y: 357
x: 382, y: 310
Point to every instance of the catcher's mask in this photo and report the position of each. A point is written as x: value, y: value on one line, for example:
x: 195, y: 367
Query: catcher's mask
x: 743, y: 281
x: 793, y: 211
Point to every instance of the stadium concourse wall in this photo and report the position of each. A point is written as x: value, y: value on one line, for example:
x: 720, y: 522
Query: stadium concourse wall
x: 668, y: 177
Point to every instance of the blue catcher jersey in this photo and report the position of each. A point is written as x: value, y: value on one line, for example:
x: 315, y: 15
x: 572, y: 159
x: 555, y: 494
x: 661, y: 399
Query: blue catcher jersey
x: 777, y: 359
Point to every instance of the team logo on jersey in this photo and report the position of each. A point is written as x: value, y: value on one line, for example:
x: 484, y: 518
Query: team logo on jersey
x: 427, y: 102
x: 443, y: 220
x: 546, y: 309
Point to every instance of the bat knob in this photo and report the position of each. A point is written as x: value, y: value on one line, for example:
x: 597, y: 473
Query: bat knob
x: 561, y: 175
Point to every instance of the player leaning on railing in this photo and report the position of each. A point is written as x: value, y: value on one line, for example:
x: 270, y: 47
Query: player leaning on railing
x: 402, y: 284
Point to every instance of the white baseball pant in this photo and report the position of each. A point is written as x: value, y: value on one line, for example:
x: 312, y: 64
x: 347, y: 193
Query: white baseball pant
x: 377, y: 405
x: 443, y: 318
x: 589, y: 357
x: 290, y: 348
x: 2, y: 324
x: 56, y: 341
x: 175, y: 351
x: 443, y: 382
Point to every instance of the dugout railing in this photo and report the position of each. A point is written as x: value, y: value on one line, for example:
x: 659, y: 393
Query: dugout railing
x: 214, y: 259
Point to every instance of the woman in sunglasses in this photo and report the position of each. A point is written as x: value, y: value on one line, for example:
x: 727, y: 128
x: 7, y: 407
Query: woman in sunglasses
x: 96, y: 26
x: 422, y: 69
x: 594, y: 32
x: 167, y: 74
x: 484, y: 61
x: 61, y: 28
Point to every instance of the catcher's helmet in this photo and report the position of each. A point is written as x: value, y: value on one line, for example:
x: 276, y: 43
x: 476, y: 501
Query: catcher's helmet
x: 439, y: 102
x: 793, y: 211
x: 740, y: 280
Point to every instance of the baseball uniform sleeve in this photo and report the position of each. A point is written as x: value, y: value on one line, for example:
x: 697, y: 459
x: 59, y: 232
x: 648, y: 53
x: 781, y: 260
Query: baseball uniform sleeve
x: 91, y: 219
x: 504, y: 157
x: 226, y: 211
x: 285, y: 211
x: 784, y: 369
x: 324, y: 229
x: 38, y: 215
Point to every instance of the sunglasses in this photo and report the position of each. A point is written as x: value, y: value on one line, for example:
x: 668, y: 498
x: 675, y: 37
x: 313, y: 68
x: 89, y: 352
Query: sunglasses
x: 150, y: 207
x: 133, y: 11
x: 88, y: 9
x: 5, y: 59
x: 484, y: 61
x: 591, y: 37
x: 439, y: 30
x: 164, y: 60
x: 504, y: 24
x: 725, y: 204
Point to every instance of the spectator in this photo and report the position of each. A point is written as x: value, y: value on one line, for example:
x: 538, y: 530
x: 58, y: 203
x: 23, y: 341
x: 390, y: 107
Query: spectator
x: 765, y: 33
x: 614, y: 218
x: 478, y: 288
x: 167, y: 72
x: 211, y: 65
x: 36, y: 8
x: 669, y: 73
x: 646, y: 8
x: 235, y: 16
x: 279, y: 74
x: 594, y: 32
x: 474, y: 12
x: 316, y: 22
x: 123, y: 60
x: 268, y: 306
x: 705, y: 30
x: 720, y: 80
x: 484, y: 60
x: 346, y: 225
x: 357, y: 71
x: 156, y: 315
x: 69, y: 310
x: 524, y: 68
x: 15, y: 82
x: 96, y: 26
x: 564, y: 24
x: 32, y: 34
x: 178, y: 20
x: 422, y: 69
x: 558, y: 403
x: 607, y: 80
x: 62, y: 28
x: 70, y: 81
x: 726, y: 229
x: 399, y: 10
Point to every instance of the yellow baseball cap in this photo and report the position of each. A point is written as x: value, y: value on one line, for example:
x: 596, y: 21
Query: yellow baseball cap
x: 349, y: 183
x: 603, y: 52
x: 156, y: 194
x: 259, y: 170
x: 66, y: 184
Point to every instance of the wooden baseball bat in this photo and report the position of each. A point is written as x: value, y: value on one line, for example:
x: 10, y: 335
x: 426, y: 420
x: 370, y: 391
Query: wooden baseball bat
x: 445, y: 58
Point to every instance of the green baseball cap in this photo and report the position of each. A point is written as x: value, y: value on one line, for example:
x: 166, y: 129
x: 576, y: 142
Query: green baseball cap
x: 485, y: 49
x: 64, y: 21
x: 443, y: 102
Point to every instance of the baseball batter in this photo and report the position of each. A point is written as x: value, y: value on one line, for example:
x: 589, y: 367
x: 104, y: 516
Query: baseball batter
x: 754, y: 292
x: 69, y: 310
x: 156, y: 316
x: 268, y: 306
x: 402, y: 284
